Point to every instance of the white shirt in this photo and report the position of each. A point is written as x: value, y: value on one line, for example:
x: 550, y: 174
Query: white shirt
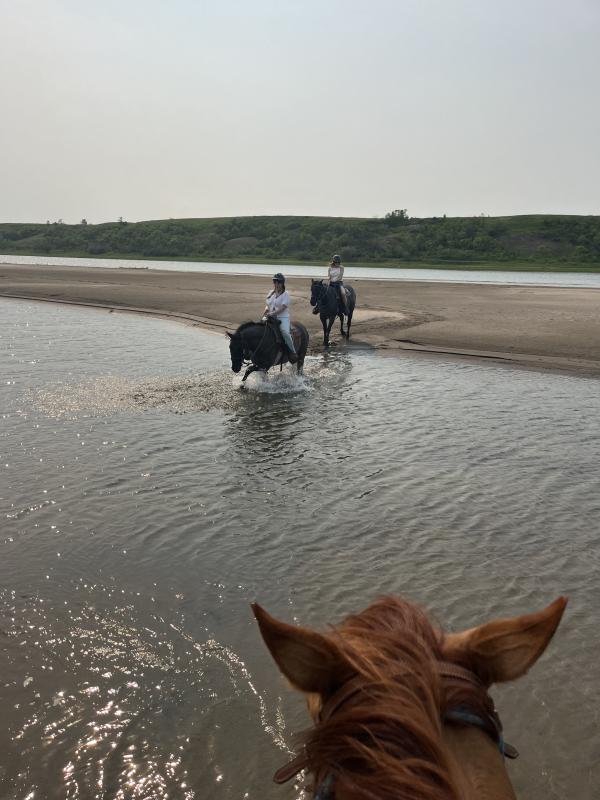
x: 275, y: 301
x: 336, y: 272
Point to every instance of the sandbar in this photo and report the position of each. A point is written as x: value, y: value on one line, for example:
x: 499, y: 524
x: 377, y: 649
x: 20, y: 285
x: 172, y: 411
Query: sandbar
x: 534, y: 327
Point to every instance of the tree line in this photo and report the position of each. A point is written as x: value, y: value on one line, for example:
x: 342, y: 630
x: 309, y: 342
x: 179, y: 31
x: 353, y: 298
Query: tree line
x: 395, y: 238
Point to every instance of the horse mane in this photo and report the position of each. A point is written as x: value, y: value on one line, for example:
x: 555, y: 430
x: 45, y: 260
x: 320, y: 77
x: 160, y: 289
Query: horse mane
x: 387, y: 744
x: 250, y: 324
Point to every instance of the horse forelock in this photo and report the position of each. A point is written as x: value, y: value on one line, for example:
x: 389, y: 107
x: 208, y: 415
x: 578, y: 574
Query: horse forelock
x: 390, y: 744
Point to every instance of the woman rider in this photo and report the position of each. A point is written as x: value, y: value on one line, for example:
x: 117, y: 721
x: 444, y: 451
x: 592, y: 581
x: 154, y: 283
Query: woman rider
x: 278, y: 304
x: 336, y: 276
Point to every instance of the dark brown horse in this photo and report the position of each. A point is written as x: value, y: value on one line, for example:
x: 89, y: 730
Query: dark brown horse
x: 402, y: 710
x: 260, y: 345
x: 326, y: 302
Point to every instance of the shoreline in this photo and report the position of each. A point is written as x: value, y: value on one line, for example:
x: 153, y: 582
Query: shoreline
x: 540, y: 328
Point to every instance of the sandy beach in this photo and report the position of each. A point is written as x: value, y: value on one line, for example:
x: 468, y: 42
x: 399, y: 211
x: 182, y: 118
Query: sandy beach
x: 533, y: 327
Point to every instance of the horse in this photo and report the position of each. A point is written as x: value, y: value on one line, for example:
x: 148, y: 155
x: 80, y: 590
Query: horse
x: 401, y: 709
x: 325, y: 299
x: 262, y: 345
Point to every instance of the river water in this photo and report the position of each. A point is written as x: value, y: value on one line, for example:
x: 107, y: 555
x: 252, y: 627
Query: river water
x: 499, y: 277
x: 146, y: 501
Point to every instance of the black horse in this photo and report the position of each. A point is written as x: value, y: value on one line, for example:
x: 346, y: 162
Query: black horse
x: 325, y: 298
x: 261, y: 344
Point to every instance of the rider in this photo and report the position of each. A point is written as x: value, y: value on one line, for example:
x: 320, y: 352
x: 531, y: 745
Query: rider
x: 336, y: 275
x: 278, y: 304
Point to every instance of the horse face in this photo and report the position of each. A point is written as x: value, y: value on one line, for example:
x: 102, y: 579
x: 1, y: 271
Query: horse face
x: 316, y: 288
x: 237, y: 352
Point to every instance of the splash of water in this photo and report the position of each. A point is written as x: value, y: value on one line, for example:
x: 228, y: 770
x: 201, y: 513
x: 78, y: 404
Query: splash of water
x: 109, y: 394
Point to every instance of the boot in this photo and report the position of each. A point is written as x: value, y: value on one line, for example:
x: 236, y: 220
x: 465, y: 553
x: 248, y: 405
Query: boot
x: 292, y: 357
x: 316, y: 310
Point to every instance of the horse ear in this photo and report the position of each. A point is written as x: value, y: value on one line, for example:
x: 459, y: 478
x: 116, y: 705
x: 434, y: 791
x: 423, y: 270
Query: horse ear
x: 228, y: 333
x: 309, y: 660
x: 505, y: 649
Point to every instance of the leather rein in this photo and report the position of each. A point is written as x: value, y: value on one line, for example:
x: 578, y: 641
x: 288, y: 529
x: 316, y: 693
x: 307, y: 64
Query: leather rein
x: 451, y: 675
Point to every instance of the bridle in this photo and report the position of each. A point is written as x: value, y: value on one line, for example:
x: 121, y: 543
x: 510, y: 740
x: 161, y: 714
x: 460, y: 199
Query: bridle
x: 482, y: 715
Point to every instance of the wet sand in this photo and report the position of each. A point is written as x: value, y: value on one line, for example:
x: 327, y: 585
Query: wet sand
x: 534, y: 327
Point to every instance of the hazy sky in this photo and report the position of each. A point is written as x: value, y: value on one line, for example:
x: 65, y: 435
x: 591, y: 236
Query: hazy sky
x: 147, y: 109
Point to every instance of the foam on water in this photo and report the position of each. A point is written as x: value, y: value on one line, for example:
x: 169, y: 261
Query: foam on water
x: 286, y: 382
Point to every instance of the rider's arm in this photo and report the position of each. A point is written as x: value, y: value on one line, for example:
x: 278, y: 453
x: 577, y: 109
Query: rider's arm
x: 341, y: 278
x: 279, y: 307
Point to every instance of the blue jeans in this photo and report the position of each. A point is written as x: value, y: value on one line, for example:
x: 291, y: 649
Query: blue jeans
x: 285, y: 332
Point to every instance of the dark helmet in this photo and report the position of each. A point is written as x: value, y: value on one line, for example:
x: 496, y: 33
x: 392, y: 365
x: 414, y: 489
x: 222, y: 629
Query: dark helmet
x: 279, y: 277
x: 336, y: 259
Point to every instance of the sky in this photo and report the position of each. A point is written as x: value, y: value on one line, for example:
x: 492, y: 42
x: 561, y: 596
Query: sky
x: 149, y: 110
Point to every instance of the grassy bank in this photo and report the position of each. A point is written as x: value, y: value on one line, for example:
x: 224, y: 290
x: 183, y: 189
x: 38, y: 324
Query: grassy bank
x: 535, y: 242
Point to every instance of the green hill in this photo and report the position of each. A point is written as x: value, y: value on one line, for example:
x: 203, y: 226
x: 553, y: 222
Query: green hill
x: 522, y: 242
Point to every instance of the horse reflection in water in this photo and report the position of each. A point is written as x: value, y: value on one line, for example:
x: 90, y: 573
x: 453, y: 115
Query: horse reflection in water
x: 260, y: 345
x: 401, y: 710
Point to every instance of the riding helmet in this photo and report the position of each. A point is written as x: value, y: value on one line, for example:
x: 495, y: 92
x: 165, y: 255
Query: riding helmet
x: 336, y: 259
x: 279, y: 277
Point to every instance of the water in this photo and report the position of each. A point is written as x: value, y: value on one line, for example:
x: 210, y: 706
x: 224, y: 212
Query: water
x: 564, y: 279
x: 146, y: 501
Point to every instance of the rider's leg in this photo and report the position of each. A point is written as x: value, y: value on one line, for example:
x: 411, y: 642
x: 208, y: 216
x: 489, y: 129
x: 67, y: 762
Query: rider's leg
x: 287, y: 338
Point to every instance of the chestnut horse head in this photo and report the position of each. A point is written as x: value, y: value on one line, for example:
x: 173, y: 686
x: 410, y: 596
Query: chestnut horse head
x: 400, y: 709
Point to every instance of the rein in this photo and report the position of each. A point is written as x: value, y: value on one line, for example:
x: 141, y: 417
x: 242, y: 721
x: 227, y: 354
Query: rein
x: 452, y: 676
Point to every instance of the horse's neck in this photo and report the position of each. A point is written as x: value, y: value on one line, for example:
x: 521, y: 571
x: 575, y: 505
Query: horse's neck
x: 478, y: 768
x: 329, y: 295
x: 257, y: 335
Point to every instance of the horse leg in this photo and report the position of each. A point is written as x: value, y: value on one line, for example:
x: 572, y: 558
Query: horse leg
x: 329, y: 327
x: 349, y: 323
x: 302, y: 355
x: 325, y: 332
x: 342, y: 324
x: 249, y: 372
